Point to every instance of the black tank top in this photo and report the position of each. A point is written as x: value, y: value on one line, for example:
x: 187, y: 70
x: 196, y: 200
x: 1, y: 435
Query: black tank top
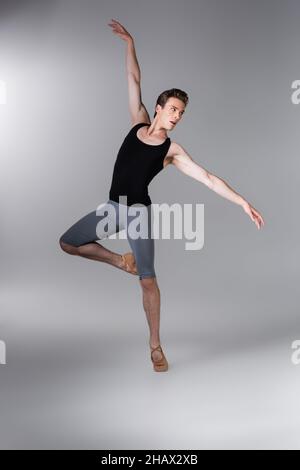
x: 136, y: 165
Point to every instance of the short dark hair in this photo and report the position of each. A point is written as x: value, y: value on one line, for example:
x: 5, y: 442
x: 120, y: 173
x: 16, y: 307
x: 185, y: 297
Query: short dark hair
x: 173, y: 92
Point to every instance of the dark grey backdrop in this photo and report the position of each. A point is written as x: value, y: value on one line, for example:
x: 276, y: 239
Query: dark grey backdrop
x: 78, y: 370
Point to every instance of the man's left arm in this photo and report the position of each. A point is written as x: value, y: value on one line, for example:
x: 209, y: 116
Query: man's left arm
x: 184, y: 162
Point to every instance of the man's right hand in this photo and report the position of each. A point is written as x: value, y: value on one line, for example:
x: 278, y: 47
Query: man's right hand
x: 120, y: 31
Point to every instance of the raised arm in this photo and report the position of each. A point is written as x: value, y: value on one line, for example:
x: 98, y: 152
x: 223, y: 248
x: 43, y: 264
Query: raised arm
x: 138, y: 112
x: 184, y: 162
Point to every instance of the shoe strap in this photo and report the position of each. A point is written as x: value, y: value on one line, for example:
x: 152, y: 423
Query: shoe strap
x: 158, y: 348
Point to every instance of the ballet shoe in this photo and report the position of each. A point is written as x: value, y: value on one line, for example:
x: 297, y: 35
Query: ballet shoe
x: 160, y: 365
x: 129, y: 263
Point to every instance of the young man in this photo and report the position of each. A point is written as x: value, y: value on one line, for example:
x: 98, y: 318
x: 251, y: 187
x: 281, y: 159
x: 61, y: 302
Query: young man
x: 145, y: 151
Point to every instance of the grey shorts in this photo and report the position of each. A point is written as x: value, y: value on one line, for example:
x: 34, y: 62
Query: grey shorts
x: 110, y: 218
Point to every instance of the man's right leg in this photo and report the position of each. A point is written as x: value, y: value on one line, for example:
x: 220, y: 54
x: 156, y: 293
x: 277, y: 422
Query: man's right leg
x: 95, y: 251
x: 80, y: 238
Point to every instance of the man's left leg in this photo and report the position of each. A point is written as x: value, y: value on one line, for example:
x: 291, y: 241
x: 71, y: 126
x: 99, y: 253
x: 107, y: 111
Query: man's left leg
x: 151, y: 304
x: 143, y: 250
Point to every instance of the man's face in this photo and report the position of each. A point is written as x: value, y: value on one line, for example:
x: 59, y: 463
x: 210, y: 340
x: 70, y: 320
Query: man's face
x: 171, y: 113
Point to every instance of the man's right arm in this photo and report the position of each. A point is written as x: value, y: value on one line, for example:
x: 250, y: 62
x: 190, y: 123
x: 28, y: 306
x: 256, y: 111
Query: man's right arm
x: 138, y: 112
x: 137, y: 109
x: 132, y: 65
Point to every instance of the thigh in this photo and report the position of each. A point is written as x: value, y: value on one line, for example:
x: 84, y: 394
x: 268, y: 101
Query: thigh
x: 143, y: 248
x: 95, y: 225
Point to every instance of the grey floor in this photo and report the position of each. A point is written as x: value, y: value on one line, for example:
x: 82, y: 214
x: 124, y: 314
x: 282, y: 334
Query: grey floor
x: 79, y: 376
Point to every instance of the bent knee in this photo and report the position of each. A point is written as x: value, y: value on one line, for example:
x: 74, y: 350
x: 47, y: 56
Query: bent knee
x: 67, y: 247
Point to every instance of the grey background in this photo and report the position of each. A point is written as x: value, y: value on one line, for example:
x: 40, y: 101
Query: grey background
x: 78, y: 372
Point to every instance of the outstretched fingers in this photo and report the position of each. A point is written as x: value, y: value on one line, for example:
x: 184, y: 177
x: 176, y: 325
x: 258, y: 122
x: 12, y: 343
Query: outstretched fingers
x: 119, y: 29
x: 258, y: 217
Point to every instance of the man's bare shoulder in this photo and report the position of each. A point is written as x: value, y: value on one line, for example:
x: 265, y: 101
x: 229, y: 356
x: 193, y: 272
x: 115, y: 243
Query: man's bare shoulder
x: 140, y: 116
x: 174, y: 149
x: 135, y: 122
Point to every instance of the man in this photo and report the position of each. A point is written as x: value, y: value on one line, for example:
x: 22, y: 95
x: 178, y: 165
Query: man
x: 145, y: 151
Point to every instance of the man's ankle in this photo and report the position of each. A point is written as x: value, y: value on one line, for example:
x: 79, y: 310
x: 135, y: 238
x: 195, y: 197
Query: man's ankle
x: 154, y: 344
